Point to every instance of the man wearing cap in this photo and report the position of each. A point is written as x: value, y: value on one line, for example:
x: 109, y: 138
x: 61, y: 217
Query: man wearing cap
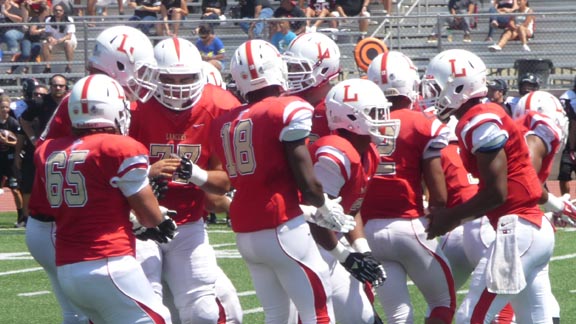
x: 527, y: 83
x: 497, y: 90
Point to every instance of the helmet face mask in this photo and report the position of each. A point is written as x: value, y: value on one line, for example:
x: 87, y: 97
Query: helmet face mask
x: 180, y: 77
x: 451, y: 79
x: 312, y: 59
x: 360, y: 107
x: 126, y: 54
x: 98, y: 101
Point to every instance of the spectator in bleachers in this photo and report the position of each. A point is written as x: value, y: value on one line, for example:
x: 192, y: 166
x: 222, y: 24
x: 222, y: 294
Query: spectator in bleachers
x: 10, y: 128
x: 13, y: 12
x: 455, y: 21
x: 320, y: 9
x: 60, y: 34
x: 283, y: 34
x: 214, y: 10
x: 91, y: 8
x: 355, y: 8
x: 31, y: 45
x: 260, y: 9
x: 211, y: 47
x: 520, y: 27
x: 500, y: 20
x: 290, y: 9
x: 175, y: 11
x: 146, y: 11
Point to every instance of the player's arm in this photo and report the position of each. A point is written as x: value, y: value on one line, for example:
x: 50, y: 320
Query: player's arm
x: 214, y: 180
x: 435, y: 182
x: 487, y: 145
x: 28, y: 130
x: 146, y: 207
x: 216, y: 203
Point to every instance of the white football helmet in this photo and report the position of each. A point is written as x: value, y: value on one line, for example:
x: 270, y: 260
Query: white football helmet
x: 453, y: 77
x: 257, y: 64
x: 396, y: 75
x: 98, y: 101
x: 212, y: 75
x: 179, y: 59
x: 312, y: 58
x: 544, y: 103
x: 126, y: 55
x: 360, y: 107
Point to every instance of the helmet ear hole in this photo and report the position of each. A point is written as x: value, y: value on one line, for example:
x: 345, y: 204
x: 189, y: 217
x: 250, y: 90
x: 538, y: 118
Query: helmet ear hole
x: 459, y: 89
x: 120, y: 66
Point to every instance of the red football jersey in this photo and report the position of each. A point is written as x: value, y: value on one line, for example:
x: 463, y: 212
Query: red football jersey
x: 319, y: 122
x: 250, y: 147
x: 460, y: 184
x: 186, y: 133
x: 355, y: 170
x: 539, y: 125
x: 524, y: 188
x: 82, y: 180
x: 396, y: 189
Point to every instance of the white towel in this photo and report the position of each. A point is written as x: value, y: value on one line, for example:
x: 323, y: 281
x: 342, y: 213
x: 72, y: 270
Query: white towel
x: 504, y: 273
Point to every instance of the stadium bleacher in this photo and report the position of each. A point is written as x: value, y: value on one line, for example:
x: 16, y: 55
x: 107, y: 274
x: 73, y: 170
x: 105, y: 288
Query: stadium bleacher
x: 406, y: 30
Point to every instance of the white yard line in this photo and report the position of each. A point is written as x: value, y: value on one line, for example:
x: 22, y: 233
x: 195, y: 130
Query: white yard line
x: 35, y: 293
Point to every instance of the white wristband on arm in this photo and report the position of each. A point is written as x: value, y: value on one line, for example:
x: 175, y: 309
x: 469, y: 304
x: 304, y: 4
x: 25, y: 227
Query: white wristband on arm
x: 361, y: 245
x: 340, y: 252
x: 199, y: 176
x: 554, y: 204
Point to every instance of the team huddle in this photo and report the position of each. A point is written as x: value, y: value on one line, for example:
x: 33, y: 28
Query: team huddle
x: 342, y: 190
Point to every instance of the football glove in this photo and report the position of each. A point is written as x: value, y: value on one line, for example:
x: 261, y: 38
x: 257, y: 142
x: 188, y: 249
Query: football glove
x: 331, y: 216
x: 568, y: 214
x: 163, y: 233
x: 190, y: 172
x: 365, y: 268
x: 159, y: 186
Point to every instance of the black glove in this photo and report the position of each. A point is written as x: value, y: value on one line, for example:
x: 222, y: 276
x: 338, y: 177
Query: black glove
x: 184, y: 171
x: 162, y: 233
x: 365, y: 268
x: 159, y: 186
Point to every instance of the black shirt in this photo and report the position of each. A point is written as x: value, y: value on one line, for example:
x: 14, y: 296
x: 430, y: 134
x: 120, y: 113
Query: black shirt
x: 295, y: 12
x: 351, y: 7
x: 248, y: 9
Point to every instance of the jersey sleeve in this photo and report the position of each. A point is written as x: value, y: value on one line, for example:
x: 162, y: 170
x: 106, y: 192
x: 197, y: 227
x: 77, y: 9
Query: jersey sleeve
x: 131, y: 175
x: 547, y: 131
x: 333, y: 169
x: 297, y: 119
x: 438, y: 141
x: 484, y: 133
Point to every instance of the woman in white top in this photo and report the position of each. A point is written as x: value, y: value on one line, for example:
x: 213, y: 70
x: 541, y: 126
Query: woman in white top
x: 521, y: 28
x: 61, y: 33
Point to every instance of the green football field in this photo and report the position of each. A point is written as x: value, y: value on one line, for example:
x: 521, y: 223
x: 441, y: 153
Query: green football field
x: 26, y: 296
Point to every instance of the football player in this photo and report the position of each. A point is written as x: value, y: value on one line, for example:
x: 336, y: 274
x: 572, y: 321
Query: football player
x: 493, y: 149
x: 119, y: 52
x: 545, y: 126
x: 393, y: 207
x: 174, y: 125
x: 263, y: 147
x: 313, y: 61
x: 527, y: 82
x: 344, y: 163
x: 92, y: 179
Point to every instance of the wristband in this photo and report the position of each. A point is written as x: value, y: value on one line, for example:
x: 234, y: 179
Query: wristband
x: 32, y: 138
x: 361, y: 245
x: 199, y: 176
x: 340, y: 252
x: 554, y: 204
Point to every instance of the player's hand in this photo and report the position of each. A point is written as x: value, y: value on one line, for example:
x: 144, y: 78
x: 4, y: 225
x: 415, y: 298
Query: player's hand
x: 184, y: 170
x: 163, y: 233
x: 164, y: 168
x: 365, y: 268
x: 568, y: 214
x: 331, y: 216
x: 159, y: 186
x: 441, y: 221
